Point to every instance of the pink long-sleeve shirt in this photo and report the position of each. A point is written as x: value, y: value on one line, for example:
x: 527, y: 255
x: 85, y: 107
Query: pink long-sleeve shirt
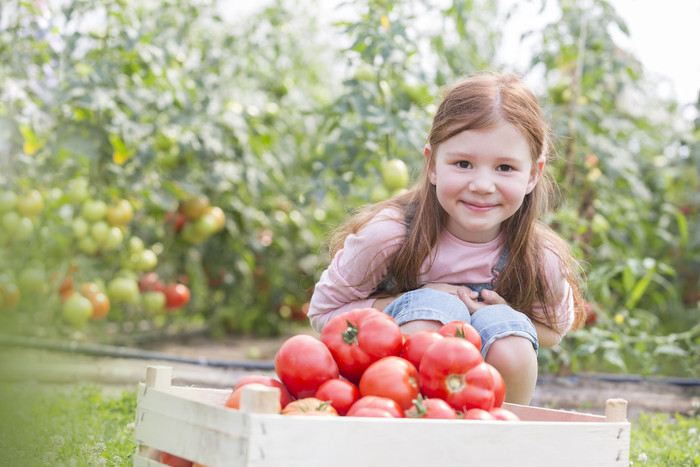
x: 453, y: 261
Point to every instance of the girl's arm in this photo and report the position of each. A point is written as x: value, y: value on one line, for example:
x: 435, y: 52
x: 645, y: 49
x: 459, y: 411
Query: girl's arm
x: 344, y: 285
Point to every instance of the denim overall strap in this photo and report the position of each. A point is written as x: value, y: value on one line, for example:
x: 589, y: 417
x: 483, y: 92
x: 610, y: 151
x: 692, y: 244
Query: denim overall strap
x: 500, y: 264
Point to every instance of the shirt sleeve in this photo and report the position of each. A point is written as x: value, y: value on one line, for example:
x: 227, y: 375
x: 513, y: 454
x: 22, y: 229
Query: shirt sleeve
x: 563, y: 306
x: 344, y: 285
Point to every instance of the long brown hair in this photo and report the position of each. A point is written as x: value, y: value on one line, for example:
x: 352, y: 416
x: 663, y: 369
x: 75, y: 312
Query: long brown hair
x: 477, y: 102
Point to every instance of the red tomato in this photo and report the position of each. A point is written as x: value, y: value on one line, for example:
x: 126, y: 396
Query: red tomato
x: 415, y: 345
x: 234, y: 399
x: 499, y: 386
x: 392, y: 377
x: 462, y: 329
x: 377, y: 403
x: 173, y: 460
x: 303, y: 363
x: 309, y: 406
x: 372, y: 412
x: 499, y: 413
x: 150, y: 282
x: 431, y: 408
x: 176, y: 296
x: 452, y: 369
x: 358, y: 338
x: 340, y: 392
x: 478, y: 414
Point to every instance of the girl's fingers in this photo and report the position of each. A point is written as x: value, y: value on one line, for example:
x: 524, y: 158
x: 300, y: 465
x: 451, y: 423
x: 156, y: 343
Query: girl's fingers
x: 492, y: 298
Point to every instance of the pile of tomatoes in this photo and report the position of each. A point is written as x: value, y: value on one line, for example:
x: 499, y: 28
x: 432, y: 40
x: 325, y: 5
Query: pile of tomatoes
x: 363, y: 366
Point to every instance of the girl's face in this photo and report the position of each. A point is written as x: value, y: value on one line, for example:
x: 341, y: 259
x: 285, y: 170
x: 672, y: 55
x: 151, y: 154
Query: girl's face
x: 481, y: 178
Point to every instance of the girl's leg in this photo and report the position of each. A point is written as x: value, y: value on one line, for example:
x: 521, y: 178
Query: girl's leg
x: 420, y: 325
x: 516, y: 360
x: 426, y: 309
x: 509, y: 343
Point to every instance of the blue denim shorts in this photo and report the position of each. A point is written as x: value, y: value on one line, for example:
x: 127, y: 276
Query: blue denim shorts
x: 492, y: 321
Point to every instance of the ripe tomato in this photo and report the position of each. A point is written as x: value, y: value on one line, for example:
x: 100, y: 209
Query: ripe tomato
x: 303, y: 363
x: 340, y: 392
x: 100, y: 305
x: 376, y: 403
x: 233, y: 400
x: 371, y: 412
x: 431, y: 408
x: 360, y: 337
x: 462, y: 329
x: 309, y: 406
x: 499, y: 413
x: 150, y: 282
x: 392, y: 377
x: 453, y: 369
x: 176, y: 296
x: 478, y: 414
x: 499, y: 386
x: 173, y: 460
x: 415, y: 345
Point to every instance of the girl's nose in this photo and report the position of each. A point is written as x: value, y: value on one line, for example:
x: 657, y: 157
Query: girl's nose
x: 481, y: 183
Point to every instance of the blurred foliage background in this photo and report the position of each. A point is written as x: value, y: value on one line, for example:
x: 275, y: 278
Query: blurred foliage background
x: 149, y: 144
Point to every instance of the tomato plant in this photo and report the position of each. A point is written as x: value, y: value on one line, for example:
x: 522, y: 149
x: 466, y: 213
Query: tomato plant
x: 309, y: 406
x: 341, y: 393
x: 360, y: 337
x: 392, y: 377
x: 453, y: 369
x: 303, y: 363
x: 376, y: 403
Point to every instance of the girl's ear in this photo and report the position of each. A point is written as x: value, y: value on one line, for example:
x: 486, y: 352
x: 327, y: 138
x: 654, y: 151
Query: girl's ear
x: 427, y: 151
x: 535, y: 174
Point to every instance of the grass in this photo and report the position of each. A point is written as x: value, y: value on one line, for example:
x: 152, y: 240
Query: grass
x: 82, y: 426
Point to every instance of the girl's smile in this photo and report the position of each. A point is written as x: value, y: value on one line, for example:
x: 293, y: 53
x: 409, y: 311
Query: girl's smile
x: 481, y: 178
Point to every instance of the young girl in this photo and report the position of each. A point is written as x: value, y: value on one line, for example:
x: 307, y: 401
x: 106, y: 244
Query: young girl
x: 465, y: 242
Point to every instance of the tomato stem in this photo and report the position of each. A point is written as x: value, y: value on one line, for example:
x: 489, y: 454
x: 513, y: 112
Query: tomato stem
x: 454, y: 383
x: 350, y: 334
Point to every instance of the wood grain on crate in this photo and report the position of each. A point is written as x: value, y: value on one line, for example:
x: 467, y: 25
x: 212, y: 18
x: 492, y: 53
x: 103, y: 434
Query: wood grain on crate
x: 192, y: 423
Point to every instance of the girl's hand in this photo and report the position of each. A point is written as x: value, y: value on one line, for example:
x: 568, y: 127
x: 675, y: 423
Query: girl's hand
x: 469, y: 298
x: 449, y: 288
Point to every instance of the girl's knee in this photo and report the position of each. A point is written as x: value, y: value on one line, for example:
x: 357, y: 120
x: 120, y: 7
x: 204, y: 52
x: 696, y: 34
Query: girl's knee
x: 512, y: 354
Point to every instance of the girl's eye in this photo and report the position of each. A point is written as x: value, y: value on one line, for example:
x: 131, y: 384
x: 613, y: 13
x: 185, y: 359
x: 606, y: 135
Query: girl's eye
x: 505, y: 168
x: 463, y: 164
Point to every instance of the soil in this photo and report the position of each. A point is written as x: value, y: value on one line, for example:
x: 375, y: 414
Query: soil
x: 202, y: 362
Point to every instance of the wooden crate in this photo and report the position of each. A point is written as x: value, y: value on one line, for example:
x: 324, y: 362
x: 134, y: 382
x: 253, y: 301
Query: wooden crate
x: 193, y: 423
